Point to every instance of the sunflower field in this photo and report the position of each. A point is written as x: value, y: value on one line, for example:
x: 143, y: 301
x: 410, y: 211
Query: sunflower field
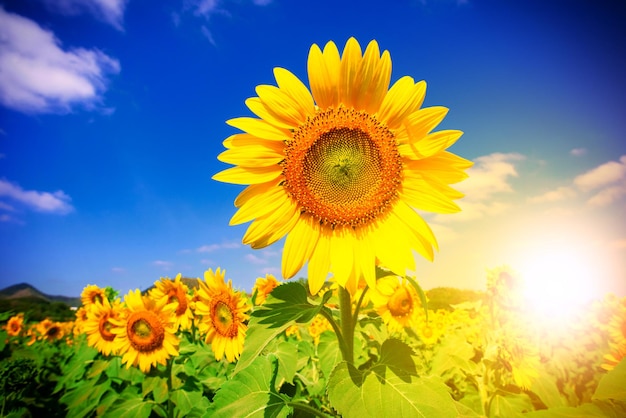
x: 209, y: 350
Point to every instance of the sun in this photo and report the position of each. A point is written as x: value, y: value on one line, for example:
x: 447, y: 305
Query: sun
x: 559, y: 280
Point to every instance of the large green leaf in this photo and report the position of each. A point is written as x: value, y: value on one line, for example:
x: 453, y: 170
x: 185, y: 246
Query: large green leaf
x: 288, y: 303
x: 545, y: 387
x: 251, y: 393
x: 389, y: 388
x: 509, y: 406
x: 328, y: 352
x: 130, y: 408
x: 287, y: 354
x: 185, y: 401
x: 613, y: 384
x: 157, y: 386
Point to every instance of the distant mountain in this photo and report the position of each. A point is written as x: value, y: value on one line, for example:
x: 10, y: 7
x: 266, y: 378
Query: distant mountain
x: 24, y: 290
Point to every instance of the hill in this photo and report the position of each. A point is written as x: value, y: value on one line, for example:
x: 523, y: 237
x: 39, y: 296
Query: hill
x: 26, y: 291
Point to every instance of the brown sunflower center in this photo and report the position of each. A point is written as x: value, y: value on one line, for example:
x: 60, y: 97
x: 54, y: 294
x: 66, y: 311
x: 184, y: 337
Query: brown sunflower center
x: 224, y: 319
x: 53, y: 331
x: 104, y: 326
x: 343, y: 167
x: 400, y: 303
x: 178, y: 296
x: 97, y: 298
x: 145, y: 331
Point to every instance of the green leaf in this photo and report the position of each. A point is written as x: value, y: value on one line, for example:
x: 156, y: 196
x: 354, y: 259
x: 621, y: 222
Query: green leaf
x: 157, y: 386
x: 97, y: 367
x: 130, y: 408
x: 185, y: 401
x: 251, y: 393
x: 287, y: 355
x: 380, y: 392
x: 328, y: 352
x: 613, y: 384
x: 597, y: 409
x: 545, y: 387
x: 453, y: 353
x: 285, y: 305
x: 509, y: 406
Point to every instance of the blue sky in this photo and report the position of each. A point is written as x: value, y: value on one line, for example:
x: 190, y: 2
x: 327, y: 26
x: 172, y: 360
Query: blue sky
x: 112, y: 114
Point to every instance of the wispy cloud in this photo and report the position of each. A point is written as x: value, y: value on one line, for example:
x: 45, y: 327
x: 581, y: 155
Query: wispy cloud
x: 578, y: 152
x: 56, y: 202
x: 109, y: 11
x: 603, y: 175
x: 165, y: 265
x: 251, y: 258
x: 118, y: 270
x: 214, y: 247
x: 38, y: 76
x: 558, y: 194
x: 490, y: 176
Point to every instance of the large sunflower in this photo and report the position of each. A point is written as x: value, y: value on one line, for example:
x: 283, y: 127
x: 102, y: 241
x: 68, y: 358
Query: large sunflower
x: 224, y: 312
x: 98, y: 325
x: 145, y: 335
x: 340, y: 169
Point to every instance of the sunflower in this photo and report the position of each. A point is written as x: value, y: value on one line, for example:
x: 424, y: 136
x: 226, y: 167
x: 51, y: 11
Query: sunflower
x: 14, y: 325
x: 98, y: 325
x: 263, y: 287
x: 145, y: 334
x: 224, y: 312
x: 612, y: 359
x: 318, y: 325
x: 397, y: 303
x: 52, y: 332
x: 617, y: 324
x: 175, y: 291
x: 92, y: 294
x: 340, y: 169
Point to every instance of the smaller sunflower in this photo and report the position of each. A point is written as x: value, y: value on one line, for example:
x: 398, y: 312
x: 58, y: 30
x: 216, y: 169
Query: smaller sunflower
x: 55, y: 331
x: 318, y: 325
x: 263, y: 287
x: 397, y: 303
x: 14, y: 325
x: 98, y: 325
x: 612, y: 359
x: 224, y: 312
x: 145, y: 335
x: 617, y: 324
x: 175, y: 291
x: 92, y: 294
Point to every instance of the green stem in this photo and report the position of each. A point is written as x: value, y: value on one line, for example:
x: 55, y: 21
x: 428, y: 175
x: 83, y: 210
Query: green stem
x: 170, y: 404
x: 304, y: 407
x: 347, y: 327
x: 342, y: 344
x: 358, y: 307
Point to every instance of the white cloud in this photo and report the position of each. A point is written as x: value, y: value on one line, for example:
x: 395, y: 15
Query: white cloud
x: 578, y: 152
x: 603, y: 175
x: 109, y: 11
x: 165, y: 265
x: 261, y: 2
x: 608, y: 195
x: 56, y: 202
x: 207, y: 34
x: 558, y: 194
x: 490, y: 176
x: 214, y: 247
x: 251, y: 258
x: 38, y: 76
x: 118, y: 270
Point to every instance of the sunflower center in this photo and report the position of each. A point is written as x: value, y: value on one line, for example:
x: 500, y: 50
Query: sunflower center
x: 105, y: 328
x: 400, y: 303
x: 145, y: 331
x: 224, y: 319
x: 427, y: 331
x: 343, y: 167
x: 178, y: 296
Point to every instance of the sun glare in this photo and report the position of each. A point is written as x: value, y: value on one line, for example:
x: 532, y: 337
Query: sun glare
x: 558, y: 281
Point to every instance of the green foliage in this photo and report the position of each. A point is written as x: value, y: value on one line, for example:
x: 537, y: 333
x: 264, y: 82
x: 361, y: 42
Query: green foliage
x: 445, y: 297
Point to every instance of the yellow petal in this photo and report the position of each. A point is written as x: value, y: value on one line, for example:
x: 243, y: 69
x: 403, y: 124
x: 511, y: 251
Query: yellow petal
x: 294, y: 88
x: 364, y: 256
x: 323, y: 70
x: 251, y: 156
x: 258, y: 108
x: 270, y: 228
x: 421, y: 122
x: 418, y: 227
x: 254, y: 190
x: 373, y: 78
x: 260, y: 205
x: 245, y: 140
x: 445, y: 166
x: 248, y: 175
x: 342, y: 254
x: 392, y: 246
x: 402, y: 99
x: 319, y: 264
x: 350, y: 62
x: 435, y: 143
x: 259, y: 128
x: 280, y: 105
x: 421, y: 194
x: 299, y: 246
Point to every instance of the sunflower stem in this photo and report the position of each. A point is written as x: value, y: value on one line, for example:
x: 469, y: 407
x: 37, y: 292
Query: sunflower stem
x: 326, y: 313
x: 358, y: 308
x: 347, y: 326
x: 170, y: 404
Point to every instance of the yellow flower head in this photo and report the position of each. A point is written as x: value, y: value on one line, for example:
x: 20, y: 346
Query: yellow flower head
x: 397, y: 303
x: 92, y: 294
x: 340, y: 169
x: 263, y: 287
x: 617, y: 325
x: 14, y: 325
x: 175, y: 291
x: 318, y: 325
x: 615, y: 356
x: 98, y: 325
x: 145, y: 335
x: 51, y: 331
x: 224, y: 312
